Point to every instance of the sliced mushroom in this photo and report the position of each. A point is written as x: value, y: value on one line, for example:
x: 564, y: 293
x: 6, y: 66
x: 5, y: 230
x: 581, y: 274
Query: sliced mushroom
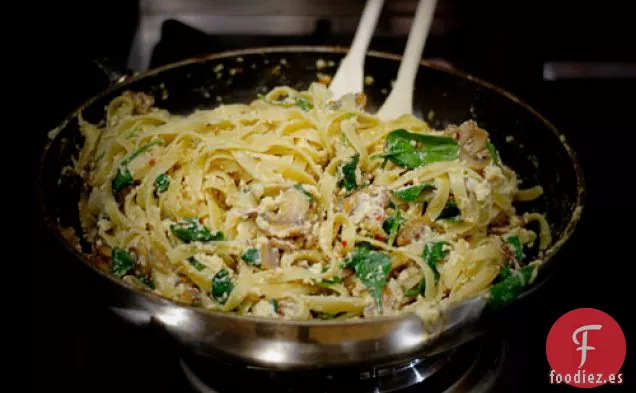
x: 142, y: 102
x: 104, y: 251
x: 264, y: 308
x: 100, y: 262
x: 186, y: 294
x: 369, y: 202
x: 499, y: 224
x: 310, y: 240
x: 292, y: 308
x: 414, y: 230
x: 361, y: 100
x: 70, y: 236
x: 508, y: 254
x: 142, y: 260
x: 285, y: 245
x: 409, y: 277
x: 286, y: 215
x: 270, y: 256
x: 366, y: 208
x: 473, y: 143
x: 391, y: 295
x: 160, y: 261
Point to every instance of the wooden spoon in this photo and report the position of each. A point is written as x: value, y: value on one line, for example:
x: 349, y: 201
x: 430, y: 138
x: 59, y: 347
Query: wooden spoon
x: 350, y: 75
x: 400, y: 100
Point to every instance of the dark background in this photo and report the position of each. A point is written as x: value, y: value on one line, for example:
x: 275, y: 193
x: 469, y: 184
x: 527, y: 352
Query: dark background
x: 76, y: 346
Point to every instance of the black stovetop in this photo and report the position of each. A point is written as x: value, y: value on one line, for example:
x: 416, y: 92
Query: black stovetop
x: 78, y: 346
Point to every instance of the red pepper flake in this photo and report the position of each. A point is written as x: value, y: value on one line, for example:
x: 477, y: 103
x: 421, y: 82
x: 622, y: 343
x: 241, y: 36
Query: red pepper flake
x: 344, y: 243
x: 379, y: 238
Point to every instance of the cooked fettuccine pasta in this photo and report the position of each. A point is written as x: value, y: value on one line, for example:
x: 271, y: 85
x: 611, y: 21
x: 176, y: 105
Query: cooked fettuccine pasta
x: 301, y: 207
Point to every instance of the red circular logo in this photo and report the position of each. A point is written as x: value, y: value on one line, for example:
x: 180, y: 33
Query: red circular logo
x: 586, y: 348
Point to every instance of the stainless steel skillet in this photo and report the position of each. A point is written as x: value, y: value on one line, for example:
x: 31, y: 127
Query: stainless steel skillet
x: 537, y: 151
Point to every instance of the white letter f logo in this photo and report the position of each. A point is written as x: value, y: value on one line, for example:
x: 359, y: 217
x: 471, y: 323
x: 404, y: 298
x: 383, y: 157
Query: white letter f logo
x: 584, y: 348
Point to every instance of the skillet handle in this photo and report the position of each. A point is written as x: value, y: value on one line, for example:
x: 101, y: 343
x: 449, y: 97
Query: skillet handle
x: 115, y: 73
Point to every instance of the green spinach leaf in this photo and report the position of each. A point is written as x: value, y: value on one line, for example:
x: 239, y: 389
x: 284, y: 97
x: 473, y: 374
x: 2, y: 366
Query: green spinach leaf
x: 411, y: 150
x: 303, y: 104
x: 504, y: 273
x: 514, y: 243
x: 494, y: 154
x: 222, y: 286
x: 433, y: 254
x: 507, y: 290
x: 416, y: 290
x: 189, y: 229
x: 372, y: 269
x: 123, y: 178
x: 392, y: 225
x: 146, y: 280
x: 162, y: 182
x: 142, y: 149
x: 326, y: 282
x: 412, y: 194
x: 275, y: 306
x: 252, y: 257
x: 364, y: 246
x: 450, y: 211
x: 196, y: 264
x: 122, y: 262
x: 349, y: 174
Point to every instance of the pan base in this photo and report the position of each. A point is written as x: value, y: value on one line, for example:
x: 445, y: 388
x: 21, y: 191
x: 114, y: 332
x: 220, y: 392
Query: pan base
x: 474, y: 367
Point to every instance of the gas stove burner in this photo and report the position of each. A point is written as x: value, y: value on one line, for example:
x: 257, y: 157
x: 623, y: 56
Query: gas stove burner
x: 474, y: 367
